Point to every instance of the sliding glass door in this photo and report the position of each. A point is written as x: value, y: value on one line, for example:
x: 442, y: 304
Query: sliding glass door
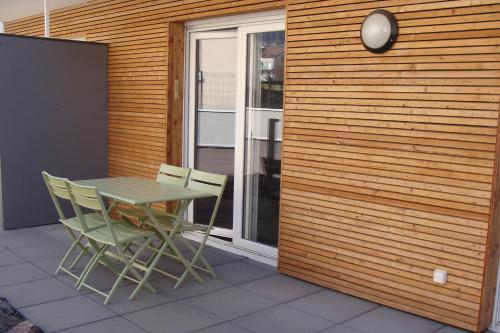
x: 260, y: 121
x: 235, y: 127
x: 214, y: 107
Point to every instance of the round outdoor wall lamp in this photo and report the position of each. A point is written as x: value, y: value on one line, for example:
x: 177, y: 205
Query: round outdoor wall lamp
x: 379, y: 31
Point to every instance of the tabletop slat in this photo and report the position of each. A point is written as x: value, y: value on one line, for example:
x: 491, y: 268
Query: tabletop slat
x: 138, y: 191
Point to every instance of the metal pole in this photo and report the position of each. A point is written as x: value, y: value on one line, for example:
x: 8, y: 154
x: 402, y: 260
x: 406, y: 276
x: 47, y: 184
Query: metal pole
x: 46, y: 17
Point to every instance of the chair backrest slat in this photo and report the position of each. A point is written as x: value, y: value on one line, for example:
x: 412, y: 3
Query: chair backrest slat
x: 210, y: 183
x: 89, y: 197
x: 57, y: 189
x: 85, y: 196
x: 87, y: 202
x: 207, y: 182
x: 173, y: 175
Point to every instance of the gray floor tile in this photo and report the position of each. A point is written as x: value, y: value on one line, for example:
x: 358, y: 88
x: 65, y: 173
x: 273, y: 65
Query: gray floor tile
x: 213, y: 257
x: 224, y: 328
x: 52, y: 226
x: 280, y: 288
x: 240, y: 272
x: 50, y: 265
x: 41, y: 251
x: 58, y: 235
x: 177, y: 317
x: 120, y: 304
x: 261, y: 265
x: 20, y: 273
x: 340, y: 329
x: 112, y: 325
x: 103, y: 279
x: 232, y: 302
x: 282, y: 319
x: 13, y: 232
x: 30, y: 238
x: 70, y: 282
x: 9, y: 258
x: 66, y: 313
x: 170, y: 266
x: 190, y: 287
x: 386, y: 320
x: 36, y: 292
x: 334, y: 306
x: 449, y: 329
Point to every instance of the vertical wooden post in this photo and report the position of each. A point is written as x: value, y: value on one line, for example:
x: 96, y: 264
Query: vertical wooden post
x: 175, y: 92
x: 175, y: 95
x: 492, y: 257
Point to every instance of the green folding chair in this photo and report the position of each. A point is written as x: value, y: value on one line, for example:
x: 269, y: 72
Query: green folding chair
x: 215, y: 185
x: 58, y: 190
x: 115, y: 235
x: 167, y: 174
x: 174, y: 225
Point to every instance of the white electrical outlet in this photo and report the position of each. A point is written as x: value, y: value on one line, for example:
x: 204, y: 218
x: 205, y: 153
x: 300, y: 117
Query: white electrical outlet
x: 440, y: 276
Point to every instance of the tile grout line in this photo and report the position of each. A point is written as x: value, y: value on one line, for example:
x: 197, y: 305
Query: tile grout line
x: 439, y: 329
x: 361, y: 314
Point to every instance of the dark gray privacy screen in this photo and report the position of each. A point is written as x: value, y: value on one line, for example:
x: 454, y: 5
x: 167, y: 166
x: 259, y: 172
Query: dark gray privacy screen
x: 52, y: 117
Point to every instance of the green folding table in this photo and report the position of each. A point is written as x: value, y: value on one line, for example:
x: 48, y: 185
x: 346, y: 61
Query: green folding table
x: 142, y: 193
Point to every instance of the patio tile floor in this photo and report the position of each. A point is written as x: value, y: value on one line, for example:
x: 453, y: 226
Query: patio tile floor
x: 247, y: 296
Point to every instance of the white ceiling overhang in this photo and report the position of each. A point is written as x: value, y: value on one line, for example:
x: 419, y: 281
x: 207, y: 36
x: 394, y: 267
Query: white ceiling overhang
x: 16, y: 9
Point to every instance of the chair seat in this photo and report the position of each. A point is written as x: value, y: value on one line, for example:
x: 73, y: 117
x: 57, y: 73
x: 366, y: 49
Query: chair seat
x: 94, y: 220
x: 124, y: 233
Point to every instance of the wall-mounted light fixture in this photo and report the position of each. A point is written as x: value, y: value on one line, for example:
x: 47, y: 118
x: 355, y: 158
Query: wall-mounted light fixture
x: 379, y: 31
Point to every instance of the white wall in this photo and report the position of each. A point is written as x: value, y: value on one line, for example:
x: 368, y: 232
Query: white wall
x: 2, y: 29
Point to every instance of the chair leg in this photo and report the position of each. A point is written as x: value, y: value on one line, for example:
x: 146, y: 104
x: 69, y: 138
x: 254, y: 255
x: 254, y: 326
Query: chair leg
x: 201, y: 258
x: 71, y: 248
x: 151, y: 267
x: 197, y: 255
x: 128, y: 267
x: 80, y: 256
x: 128, y: 249
x: 189, y: 269
x: 90, y: 266
x: 139, y: 277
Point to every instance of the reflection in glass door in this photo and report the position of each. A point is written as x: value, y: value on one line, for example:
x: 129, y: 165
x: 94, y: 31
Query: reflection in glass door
x: 214, y: 116
x: 263, y: 123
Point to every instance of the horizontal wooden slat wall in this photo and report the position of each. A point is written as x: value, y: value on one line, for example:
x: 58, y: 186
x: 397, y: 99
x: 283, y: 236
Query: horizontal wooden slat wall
x: 388, y: 159
x: 137, y: 34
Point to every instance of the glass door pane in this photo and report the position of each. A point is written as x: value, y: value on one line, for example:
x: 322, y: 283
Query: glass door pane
x: 263, y: 136
x: 215, y: 108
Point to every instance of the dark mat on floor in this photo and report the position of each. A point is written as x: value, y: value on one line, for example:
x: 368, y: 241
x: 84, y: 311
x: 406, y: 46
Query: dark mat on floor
x: 12, y: 321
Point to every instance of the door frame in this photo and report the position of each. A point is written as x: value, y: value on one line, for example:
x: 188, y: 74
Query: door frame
x: 245, y: 23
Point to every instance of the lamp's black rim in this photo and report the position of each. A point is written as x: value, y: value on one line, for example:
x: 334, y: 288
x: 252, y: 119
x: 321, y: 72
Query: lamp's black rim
x: 392, y: 37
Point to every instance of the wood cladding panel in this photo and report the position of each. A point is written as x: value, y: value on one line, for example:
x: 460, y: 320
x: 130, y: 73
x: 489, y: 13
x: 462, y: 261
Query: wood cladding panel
x: 389, y: 159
